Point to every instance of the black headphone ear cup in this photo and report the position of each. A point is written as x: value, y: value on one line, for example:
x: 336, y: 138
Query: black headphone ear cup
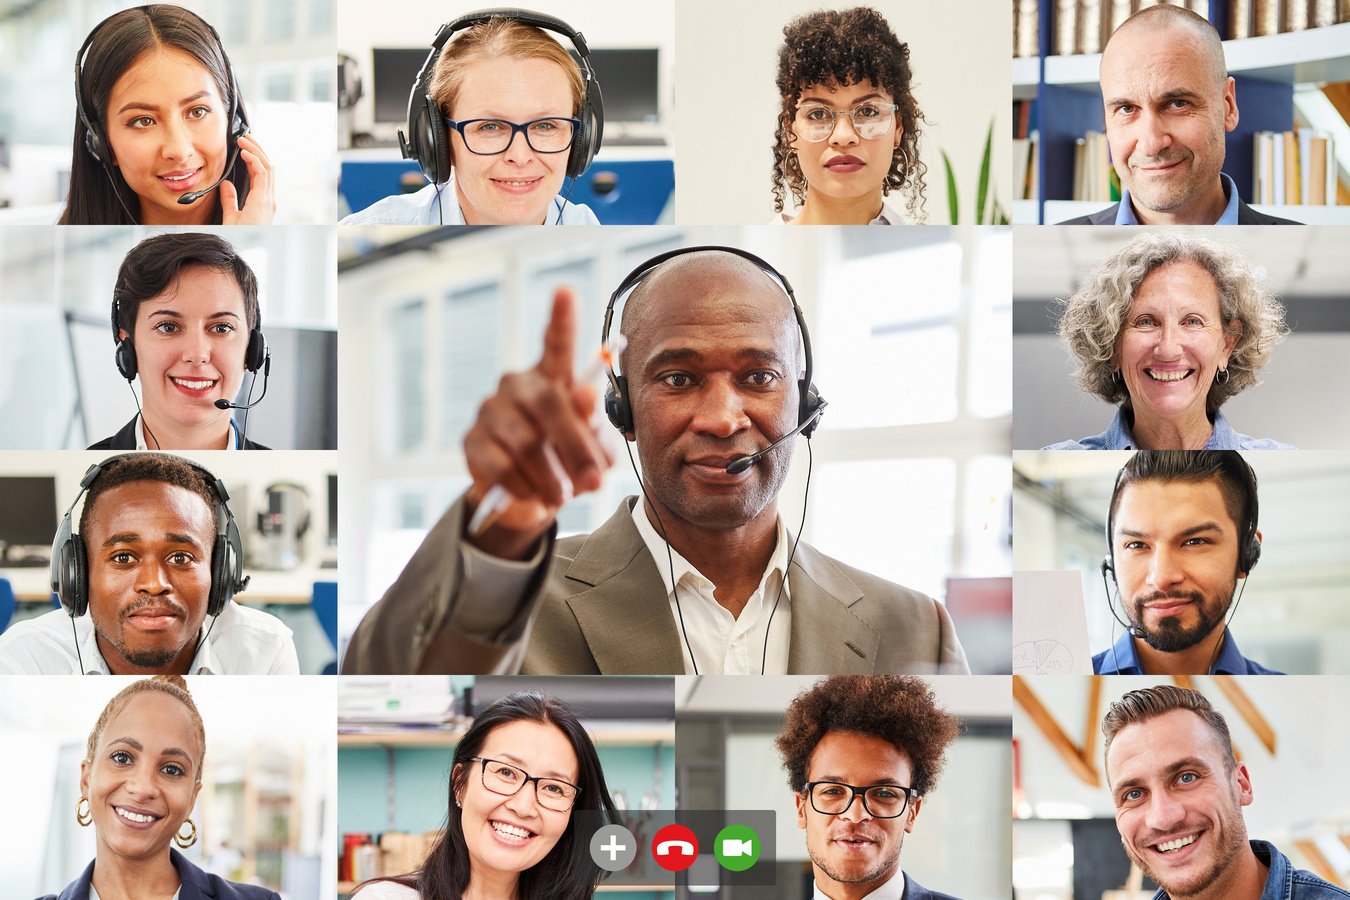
x: 433, y: 142
x: 589, y: 133
x: 125, y: 357
x: 93, y: 143
x: 617, y: 408
x: 810, y: 402
x: 256, y: 354
x: 1253, y: 555
x: 74, y: 590
x: 222, y: 566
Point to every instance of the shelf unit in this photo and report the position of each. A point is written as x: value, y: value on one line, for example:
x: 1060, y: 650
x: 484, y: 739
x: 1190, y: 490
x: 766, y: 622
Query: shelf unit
x: 1265, y: 70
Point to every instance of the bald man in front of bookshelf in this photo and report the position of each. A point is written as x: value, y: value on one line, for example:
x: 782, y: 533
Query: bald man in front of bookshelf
x: 1169, y: 101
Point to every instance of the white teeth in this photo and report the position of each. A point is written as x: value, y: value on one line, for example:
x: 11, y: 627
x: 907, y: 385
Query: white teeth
x: 133, y: 817
x: 1168, y: 376
x: 193, y: 385
x: 510, y: 830
x: 1168, y: 846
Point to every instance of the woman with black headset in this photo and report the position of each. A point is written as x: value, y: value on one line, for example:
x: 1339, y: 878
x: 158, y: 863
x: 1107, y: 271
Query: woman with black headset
x: 161, y: 135
x: 499, y: 116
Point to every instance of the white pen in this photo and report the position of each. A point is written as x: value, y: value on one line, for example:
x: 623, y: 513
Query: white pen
x: 498, y: 499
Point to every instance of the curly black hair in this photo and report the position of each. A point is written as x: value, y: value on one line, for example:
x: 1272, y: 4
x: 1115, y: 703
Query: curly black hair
x: 900, y: 709
x: 842, y: 47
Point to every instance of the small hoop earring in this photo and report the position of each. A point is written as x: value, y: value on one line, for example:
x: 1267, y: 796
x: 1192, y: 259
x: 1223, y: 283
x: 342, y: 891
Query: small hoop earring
x: 186, y: 842
x: 1115, y: 375
x: 1222, y: 377
x: 84, y: 818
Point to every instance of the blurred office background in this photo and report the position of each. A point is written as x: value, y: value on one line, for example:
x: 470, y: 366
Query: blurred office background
x: 59, y: 385
x: 632, y: 179
x: 960, y: 845
x: 282, y: 54
x: 1296, y: 403
x: 1293, y: 616
x: 397, y: 736
x: 1287, y: 731
x: 285, y: 505
x: 909, y: 329
x: 266, y: 812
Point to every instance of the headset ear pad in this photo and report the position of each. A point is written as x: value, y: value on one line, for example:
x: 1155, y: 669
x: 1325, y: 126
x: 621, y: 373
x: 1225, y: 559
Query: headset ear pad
x: 810, y: 402
x: 222, y: 576
x: 589, y: 133
x: 432, y: 142
x: 256, y: 354
x: 1253, y: 555
x: 125, y: 357
x: 73, y: 577
x: 617, y: 407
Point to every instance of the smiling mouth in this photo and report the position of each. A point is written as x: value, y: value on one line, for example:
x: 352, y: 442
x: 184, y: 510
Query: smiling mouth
x: 506, y: 829
x: 1175, y: 845
x: 1168, y: 377
x: 137, y: 818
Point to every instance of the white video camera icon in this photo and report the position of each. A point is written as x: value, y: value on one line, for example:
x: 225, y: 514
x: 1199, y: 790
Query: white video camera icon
x: 735, y: 847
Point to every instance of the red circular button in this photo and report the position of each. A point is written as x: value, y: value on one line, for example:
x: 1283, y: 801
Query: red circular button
x: 675, y: 848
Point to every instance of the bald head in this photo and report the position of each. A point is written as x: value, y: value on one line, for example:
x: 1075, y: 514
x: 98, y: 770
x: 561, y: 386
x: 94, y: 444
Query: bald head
x: 1192, y: 33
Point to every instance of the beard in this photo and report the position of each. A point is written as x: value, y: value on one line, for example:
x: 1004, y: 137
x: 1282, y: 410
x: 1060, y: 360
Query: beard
x: 1229, y: 832
x: 876, y: 873
x: 1169, y: 635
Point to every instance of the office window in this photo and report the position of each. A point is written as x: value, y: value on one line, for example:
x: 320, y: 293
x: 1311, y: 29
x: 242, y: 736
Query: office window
x: 321, y: 86
x: 990, y: 352
x: 580, y: 277
x: 279, y: 85
x: 469, y: 365
x: 279, y: 20
x: 406, y: 331
x: 231, y: 20
x: 320, y: 17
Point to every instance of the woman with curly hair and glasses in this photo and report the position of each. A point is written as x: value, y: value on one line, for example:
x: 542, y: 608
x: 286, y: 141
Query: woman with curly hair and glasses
x: 1167, y: 330
x: 848, y: 127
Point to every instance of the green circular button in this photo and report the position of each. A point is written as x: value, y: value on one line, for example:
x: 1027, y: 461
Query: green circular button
x: 737, y: 847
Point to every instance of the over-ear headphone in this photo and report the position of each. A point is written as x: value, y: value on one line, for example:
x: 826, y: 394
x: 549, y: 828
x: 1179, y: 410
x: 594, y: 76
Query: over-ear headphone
x: 428, y: 139
x: 1249, y: 546
x: 70, y: 560
x: 94, y: 141
x: 125, y: 354
x: 619, y: 407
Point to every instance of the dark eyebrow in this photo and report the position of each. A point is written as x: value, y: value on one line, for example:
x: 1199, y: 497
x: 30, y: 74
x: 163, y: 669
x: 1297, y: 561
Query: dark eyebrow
x: 151, y: 107
x: 130, y: 537
x: 689, y: 354
x: 136, y: 745
x: 1174, y: 94
x: 521, y: 763
x: 1202, y: 528
x: 1181, y: 765
x: 175, y: 314
x: 863, y: 99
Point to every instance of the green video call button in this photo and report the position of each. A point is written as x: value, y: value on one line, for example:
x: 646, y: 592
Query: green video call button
x: 737, y: 847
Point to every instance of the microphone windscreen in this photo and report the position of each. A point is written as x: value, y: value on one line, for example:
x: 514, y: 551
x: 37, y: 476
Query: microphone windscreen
x: 222, y: 404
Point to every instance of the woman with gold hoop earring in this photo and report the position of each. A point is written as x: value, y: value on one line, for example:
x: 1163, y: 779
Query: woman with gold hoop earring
x: 139, y: 780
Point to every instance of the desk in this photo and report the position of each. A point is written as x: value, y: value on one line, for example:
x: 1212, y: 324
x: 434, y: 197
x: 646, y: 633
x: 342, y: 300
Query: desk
x: 265, y: 588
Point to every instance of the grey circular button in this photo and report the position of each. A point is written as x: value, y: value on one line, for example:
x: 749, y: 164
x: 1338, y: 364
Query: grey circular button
x: 613, y: 848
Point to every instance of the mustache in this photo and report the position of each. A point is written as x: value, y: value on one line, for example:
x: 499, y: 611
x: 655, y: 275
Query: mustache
x: 145, y: 600
x: 1165, y: 159
x: 1194, y: 596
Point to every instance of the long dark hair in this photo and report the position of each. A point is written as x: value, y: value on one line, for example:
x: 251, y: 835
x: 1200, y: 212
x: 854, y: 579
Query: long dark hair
x: 566, y: 873
x: 99, y: 195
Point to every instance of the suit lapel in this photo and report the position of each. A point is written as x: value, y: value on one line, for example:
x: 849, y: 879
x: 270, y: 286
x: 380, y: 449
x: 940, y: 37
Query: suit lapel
x: 625, y: 615
x: 827, y: 638
x: 194, y: 885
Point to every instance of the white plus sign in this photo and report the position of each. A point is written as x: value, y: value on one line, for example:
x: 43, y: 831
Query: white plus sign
x: 613, y: 848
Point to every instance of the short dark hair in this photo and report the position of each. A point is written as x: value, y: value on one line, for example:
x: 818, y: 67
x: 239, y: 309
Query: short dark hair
x: 1149, y: 703
x: 156, y: 262
x: 847, y: 47
x: 900, y: 709
x: 148, y: 467
x: 1194, y: 467
x: 95, y: 187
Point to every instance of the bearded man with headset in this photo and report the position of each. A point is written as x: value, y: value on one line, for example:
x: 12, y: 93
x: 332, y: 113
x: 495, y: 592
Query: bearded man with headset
x: 691, y: 579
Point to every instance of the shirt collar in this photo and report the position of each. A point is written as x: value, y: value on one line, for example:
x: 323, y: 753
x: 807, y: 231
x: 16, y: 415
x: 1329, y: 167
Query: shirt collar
x: 1122, y: 659
x: 892, y: 889
x: 1125, y: 212
x: 1221, y: 435
x: 657, y: 546
x: 453, y: 214
x: 232, y: 444
x: 204, y: 663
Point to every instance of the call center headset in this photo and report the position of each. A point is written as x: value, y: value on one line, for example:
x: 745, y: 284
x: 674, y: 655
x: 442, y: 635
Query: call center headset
x: 1249, y: 545
x: 810, y: 407
x: 96, y: 143
x: 428, y: 139
x: 70, y: 559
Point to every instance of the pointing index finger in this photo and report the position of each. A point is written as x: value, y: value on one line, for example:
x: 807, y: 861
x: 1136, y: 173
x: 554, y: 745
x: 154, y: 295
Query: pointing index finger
x: 560, y: 337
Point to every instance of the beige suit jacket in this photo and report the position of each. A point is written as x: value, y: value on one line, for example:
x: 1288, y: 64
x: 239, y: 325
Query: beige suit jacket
x: 597, y: 605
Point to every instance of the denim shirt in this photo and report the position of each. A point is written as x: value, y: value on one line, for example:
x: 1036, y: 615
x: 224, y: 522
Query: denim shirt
x: 1122, y: 660
x: 1284, y: 882
x: 1125, y: 212
x: 1117, y: 437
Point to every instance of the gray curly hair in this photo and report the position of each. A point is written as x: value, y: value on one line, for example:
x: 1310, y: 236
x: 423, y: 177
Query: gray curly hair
x: 1091, y: 320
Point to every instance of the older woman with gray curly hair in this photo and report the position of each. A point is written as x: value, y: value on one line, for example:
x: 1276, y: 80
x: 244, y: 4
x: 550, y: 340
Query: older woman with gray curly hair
x: 1167, y: 329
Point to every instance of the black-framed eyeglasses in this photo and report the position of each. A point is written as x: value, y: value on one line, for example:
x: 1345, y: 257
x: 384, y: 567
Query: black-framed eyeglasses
x: 487, y: 137
x: 507, y: 780
x: 882, y: 801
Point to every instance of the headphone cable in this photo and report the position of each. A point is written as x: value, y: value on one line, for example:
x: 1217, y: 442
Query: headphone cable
x: 806, y: 498
x: 566, y: 200
x: 140, y: 414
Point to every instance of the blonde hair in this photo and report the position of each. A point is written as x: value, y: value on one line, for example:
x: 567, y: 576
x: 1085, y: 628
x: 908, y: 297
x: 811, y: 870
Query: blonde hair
x: 496, y: 37
x: 173, y: 685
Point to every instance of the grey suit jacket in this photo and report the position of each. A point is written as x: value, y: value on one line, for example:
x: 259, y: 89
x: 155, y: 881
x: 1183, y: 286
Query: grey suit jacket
x: 597, y: 605
x: 1246, y: 216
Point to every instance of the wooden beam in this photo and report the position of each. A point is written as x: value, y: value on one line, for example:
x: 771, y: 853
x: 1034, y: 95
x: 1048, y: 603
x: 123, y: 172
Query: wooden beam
x: 1317, y: 861
x: 1067, y: 749
x: 1092, y: 726
x: 1247, y: 709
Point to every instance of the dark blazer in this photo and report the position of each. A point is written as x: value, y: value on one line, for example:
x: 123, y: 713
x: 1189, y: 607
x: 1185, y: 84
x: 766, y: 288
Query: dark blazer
x: 916, y: 891
x: 1246, y: 216
x: 197, y: 885
x: 126, y: 440
x: 597, y: 605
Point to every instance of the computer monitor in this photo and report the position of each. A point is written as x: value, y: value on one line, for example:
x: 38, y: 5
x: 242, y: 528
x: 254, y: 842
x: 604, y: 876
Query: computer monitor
x: 628, y: 80
x: 394, y: 70
x: 27, y: 510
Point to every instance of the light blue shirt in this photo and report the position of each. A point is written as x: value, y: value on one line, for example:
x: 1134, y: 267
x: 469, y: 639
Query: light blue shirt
x: 1117, y: 437
x: 438, y: 205
x: 1122, y: 659
x: 1125, y: 212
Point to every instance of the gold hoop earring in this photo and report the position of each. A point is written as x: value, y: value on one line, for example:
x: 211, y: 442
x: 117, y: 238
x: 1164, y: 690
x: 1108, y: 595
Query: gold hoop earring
x: 84, y: 818
x: 185, y: 842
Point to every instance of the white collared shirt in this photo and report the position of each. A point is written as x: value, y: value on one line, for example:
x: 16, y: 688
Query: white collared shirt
x: 232, y: 444
x: 724, y: 644
x: 887, y: 216
x: 243, y: 641
x: 437, y: 205
x: 893, y: 889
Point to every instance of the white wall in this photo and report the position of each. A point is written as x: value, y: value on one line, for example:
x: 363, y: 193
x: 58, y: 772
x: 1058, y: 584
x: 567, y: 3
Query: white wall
x: 728, y: 104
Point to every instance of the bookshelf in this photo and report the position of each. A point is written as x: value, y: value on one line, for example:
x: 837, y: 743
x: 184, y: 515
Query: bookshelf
x: 1265, y: 70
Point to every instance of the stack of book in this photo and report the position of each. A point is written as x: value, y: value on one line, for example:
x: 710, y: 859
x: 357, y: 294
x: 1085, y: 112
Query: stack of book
x: 1255, y: 18
x: 1083, y: 26
x: 1026, y: 28
x: 1026, y: 150
x: 1093, y: 176
x: 1295, y: 168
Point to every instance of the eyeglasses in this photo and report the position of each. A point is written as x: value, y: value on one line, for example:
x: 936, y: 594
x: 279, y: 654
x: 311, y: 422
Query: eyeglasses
x: 815, y: 122
x: 489, y: 136
x: 882, y: 801
x: 507, y: 780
